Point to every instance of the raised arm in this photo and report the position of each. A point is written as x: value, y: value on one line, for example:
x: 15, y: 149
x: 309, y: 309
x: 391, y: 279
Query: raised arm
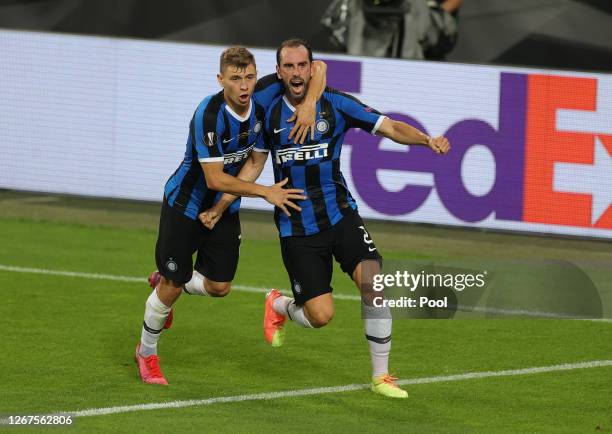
x: 401, y: 132
x: 305, y: 113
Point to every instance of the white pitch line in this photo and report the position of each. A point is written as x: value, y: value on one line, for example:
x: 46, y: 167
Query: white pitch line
x: 246, y: 288
x: 290, y: 393
x: 71, y: 274
x: 242, y: 288
x: 335, y: 389
x: 529, y: 313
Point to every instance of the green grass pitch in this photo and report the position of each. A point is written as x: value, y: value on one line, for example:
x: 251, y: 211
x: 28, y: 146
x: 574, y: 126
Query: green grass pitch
x: 67, y: 342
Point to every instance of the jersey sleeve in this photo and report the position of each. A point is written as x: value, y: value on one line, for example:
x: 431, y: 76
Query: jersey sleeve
x: 260, y: 127
x: 267, y: 89
x: 207, y: 139
x: 356, y: 114
x: 262, y: 143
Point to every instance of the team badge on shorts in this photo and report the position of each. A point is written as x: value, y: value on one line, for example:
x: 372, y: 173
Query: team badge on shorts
x: 322, y: 126
x: 297, y: 287
x: 171, y: 265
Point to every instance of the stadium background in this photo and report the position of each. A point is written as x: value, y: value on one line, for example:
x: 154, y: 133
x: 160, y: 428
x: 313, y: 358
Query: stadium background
x: 95, y: 107
x: 531, y: 147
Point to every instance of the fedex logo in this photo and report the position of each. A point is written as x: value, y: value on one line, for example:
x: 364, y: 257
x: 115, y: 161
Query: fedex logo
x: 550, y: 157
x: 568, y: 164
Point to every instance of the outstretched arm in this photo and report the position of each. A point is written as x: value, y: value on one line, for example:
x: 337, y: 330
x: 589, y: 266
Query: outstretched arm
x: 249, y: 173
x: 401, y: 132
x: 305, y: 113
x: 278, y: 196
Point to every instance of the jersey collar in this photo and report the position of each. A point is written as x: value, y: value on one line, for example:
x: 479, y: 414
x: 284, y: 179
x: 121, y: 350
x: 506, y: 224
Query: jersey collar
x: 238, y: 117
x: 288, y: 103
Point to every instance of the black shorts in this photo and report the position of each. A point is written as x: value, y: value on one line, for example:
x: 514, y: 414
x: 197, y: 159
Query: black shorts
x: 180, y: 237
x: 308, y: 259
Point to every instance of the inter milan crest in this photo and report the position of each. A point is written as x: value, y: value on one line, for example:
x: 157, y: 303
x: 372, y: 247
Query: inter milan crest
x: 257, y: 127
x: 322, y: 126
x: 297, y: 287
x: 171, y: 265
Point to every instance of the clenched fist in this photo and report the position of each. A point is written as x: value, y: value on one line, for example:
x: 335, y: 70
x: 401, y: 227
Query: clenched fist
x: 439, y: 145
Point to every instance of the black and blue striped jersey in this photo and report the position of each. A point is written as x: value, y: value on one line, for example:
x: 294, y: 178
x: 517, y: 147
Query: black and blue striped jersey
x: 315, y: 165
x: 217, y: 133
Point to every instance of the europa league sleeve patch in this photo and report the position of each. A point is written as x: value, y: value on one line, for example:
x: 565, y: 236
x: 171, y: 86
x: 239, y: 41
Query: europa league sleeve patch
x: 210, y: 139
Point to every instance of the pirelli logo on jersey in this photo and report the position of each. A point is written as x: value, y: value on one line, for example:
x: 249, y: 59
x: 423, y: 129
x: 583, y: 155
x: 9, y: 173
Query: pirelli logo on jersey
x: 307, y: 152
x: 237, y: 157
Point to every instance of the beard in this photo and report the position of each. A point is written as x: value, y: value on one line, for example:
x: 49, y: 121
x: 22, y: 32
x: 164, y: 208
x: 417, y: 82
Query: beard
x: 297, y: 88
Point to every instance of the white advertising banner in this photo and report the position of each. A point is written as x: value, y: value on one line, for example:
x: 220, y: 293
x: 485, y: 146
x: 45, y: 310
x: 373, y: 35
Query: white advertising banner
x: 531, y: 149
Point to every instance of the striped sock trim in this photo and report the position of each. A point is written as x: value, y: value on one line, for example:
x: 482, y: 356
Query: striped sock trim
x: 378, y: 340
x: 150, y: 330
x: 288, y: 314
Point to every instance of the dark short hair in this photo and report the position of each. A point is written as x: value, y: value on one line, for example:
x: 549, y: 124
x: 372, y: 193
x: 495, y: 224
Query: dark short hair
x: 293, y: 43
x: 239, y: 57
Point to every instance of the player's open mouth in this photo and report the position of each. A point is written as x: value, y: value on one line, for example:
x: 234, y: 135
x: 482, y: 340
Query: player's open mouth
x: 243, y: 98
x: 297, y: 85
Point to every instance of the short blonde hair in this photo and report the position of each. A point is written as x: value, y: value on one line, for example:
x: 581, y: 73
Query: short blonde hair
x: 239, y: 57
